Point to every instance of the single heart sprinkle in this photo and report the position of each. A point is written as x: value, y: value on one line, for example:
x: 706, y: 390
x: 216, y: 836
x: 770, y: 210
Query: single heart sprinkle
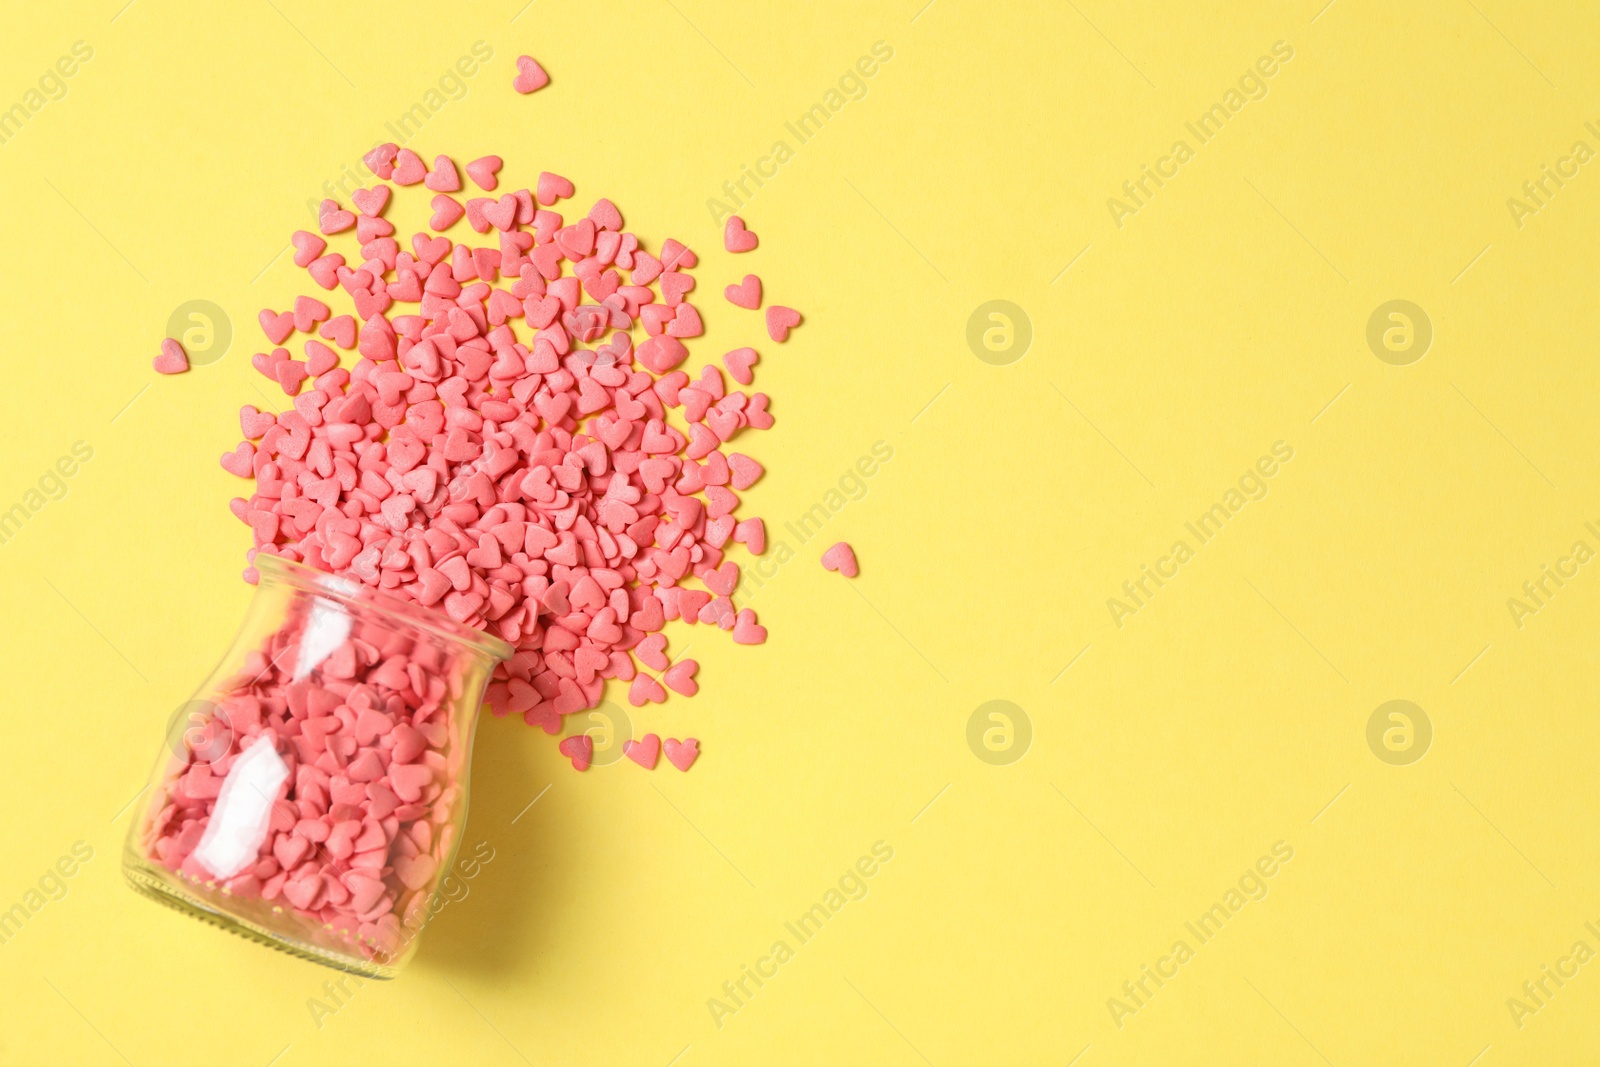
x: 842, y: 558
x: 747, y: 294
x: 172, y: 360
x: 579, y: 748
x: 645, y: 751
x: 739, y: 362
x: 682, y: 754
x: 443, y: 178
x: 483, y: 171
x: 680, y: 677
x: 780, y: 320
x: 735, y: 238
x: 331, y: 219
x: 530, y: 75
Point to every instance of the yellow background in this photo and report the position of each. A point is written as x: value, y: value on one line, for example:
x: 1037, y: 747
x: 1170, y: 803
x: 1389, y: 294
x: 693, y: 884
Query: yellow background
x: 1227, y: 715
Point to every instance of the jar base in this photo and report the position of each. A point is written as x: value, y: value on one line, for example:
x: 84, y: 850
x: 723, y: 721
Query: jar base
x: 162, y: 887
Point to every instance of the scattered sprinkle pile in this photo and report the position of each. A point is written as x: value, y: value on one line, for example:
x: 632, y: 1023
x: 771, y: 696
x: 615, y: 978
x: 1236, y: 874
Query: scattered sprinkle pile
x: 501, y: 450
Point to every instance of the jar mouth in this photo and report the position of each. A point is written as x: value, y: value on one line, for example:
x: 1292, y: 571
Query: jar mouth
x: 352, y: 592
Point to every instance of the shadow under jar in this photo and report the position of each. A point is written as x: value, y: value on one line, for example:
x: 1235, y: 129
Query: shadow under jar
x: 313, y: 792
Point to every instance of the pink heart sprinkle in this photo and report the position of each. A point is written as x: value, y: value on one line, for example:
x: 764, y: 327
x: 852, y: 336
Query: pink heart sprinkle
x: 662, y: 353
x: 502, y: 213
x: 645, y: 751
x: 341, y: 331
x: 674, y: 284
x: 645, y: 690
x: 780, y: 320
x: 746, y: 294
x: 686, y: 323
x: 739, y: 362
x: 254, y: 423
x: 415, y: 872
x: 735, y: 238
x: 303, y: 892
x: 240, y: 460
x: 723, y: 580
x: 530, y: 76
x: 745, y: 470
x: 380, y: 160
x: 746, y: 631
x: 842, y: 558
x: 651, y: 651
x: 332, y: 219
x: 676, y: 256
x: 553, y: 187
x: 371, y: 202
x: 276, y: 325
x: 320, y: 359
x: 579, y: 748
x: 483, y: 170
x: 324, y: 270
x: 752, y: 533
x: 172, y: 360
x: 443, y: 178
x: 446, y: 212
x: 308, y: 312
x: 308, y: 246
x: 682, y: 754
x: 680, y: 677
x: 605, y: 215
x: 409, y: 168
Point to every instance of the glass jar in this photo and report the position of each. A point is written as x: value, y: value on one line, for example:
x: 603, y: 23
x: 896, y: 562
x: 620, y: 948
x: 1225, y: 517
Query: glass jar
x: 313, y: 793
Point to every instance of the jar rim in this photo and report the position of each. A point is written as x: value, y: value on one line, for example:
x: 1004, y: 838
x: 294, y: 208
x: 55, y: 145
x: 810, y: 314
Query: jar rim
x: 353, y: 592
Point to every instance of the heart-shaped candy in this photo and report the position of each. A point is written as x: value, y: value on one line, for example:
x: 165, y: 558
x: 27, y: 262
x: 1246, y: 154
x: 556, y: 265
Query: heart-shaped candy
x: 652, y: 651
x: 371, y: 201
x: 746, y: 631
x: 502, y: 213
x: 682, y: 754
x: 443, y: 178
x: 380, y: 160
x: 645, y: 751
x: 842, y: 558
x: 745, y: 470
x: 747, y: 294
x: 239, y: 461
x: 780, y: 320
x: 530, y: 76
x: 172, y: 359
x: 735, y: 238
x: 277, y: 325
x: 606, y: 216
x: 446, y: 212
x: 680, y: 677
x: 483, y: 170
x: 579, y: 748
x: 739, y: 362
x: 686, y: 323
x: 254, y: 423
x: 645, y: 689
x: 722, y: 580
x: 676, y: 255
x: 409, y: 168
x: 662, y: 353
x: 553, y: 187
x: 333, y: 219
x: 752, y: 533
x: 308, y: 246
